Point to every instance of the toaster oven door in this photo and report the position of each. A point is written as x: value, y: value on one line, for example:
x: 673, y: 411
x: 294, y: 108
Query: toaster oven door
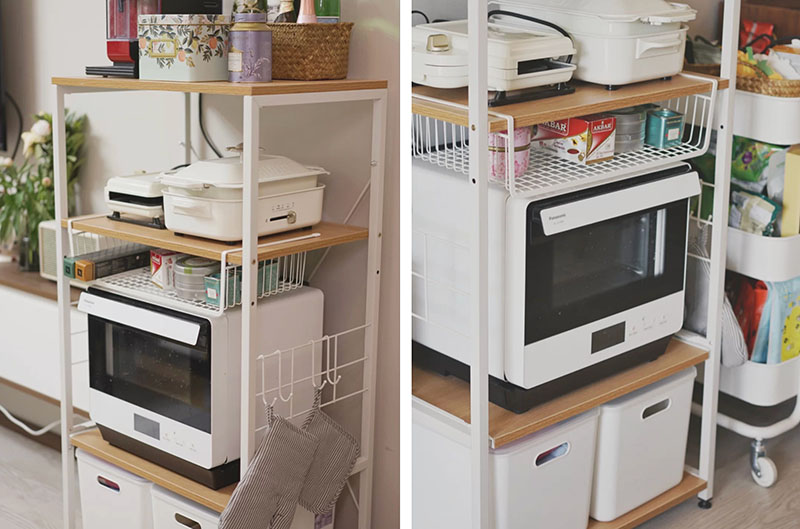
x: 151, y: 357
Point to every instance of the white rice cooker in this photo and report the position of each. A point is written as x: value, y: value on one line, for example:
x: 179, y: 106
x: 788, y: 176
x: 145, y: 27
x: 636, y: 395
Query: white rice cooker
x: 618, y: 42
x: 205, y: 198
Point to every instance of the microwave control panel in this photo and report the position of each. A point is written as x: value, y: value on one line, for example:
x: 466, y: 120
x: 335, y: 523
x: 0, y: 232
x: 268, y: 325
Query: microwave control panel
x: 153, y: 429
x: 616, y: 334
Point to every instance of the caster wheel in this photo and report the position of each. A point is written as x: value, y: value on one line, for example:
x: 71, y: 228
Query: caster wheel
x: 768, y: 474
x: 704, y: 504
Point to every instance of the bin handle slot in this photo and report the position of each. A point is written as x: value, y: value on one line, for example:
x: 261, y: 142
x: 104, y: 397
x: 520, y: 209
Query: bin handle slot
x: 656, y: 408
x: 186, y: 522
x: 107, y: 483
x: 552, y: 454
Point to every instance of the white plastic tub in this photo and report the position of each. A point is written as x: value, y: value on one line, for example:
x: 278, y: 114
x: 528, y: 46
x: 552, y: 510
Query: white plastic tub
x: 761, y: 384
x: 541, y: 481
x: 764, y: 258
x: 767, y: 118
x: 641, y: 445
x: 112, y: 497
x: 618, y: 41
x: 171, y: 511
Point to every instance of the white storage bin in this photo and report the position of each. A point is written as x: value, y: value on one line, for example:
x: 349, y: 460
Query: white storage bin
x: 541, y: 481
x: 171, y: 511
x: 761, y: 384
x: 764, y: 258
x: 112, y: 497
x: 641, y: 445
x: 767, y: 118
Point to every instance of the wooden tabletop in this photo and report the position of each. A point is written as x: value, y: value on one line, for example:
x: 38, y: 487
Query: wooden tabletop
x: 31, y: 282
x: 222, y: 87
x: 452, y: 394
x: 587, y: 99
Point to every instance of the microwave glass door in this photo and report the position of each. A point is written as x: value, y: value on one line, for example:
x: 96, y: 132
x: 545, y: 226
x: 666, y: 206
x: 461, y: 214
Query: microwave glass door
x: 165, y: 376
x: 588, y: 273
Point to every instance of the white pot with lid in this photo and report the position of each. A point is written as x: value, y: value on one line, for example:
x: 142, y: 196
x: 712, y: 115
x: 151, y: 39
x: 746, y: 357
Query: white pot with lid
x: 205, y: 198
x: 618, y: 41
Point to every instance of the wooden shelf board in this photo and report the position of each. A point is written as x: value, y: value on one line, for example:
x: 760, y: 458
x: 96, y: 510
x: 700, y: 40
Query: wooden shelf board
x: 688, y: 487
x: 331, y: 234
x: 93, y: 443
x: 587, y: 99
x: 222, y: 87
x: 31, y: 282
x: 452, y: 394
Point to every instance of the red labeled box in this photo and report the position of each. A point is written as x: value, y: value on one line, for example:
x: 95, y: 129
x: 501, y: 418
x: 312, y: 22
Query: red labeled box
x: 584, y: 140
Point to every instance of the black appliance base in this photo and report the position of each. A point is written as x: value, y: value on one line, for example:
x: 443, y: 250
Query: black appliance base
x: 129, y: 70
x: 520, y: 400
x: 214, y: 478
x: 529, y: 94
x: 155, y: 222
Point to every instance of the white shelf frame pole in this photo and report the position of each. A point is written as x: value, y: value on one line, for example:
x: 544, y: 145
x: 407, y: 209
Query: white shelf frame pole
x: 477, y: 11
x: 372, y: 308
x: 64, y: 312
x: 251, y: 130
x: 719, y: 235
x: 187, y: 128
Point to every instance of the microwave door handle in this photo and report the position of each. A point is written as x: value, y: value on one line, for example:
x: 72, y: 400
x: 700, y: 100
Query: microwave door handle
x: 572, y: 215
x: 153, y: 322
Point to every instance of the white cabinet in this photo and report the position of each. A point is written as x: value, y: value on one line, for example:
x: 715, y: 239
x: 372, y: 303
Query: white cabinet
x: 29, y: 346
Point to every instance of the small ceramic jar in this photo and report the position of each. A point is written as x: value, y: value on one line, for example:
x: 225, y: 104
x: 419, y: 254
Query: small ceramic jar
x: 498, y: 146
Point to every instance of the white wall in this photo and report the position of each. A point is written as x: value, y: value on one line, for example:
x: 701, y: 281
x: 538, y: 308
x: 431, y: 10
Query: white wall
x: 133, y: 131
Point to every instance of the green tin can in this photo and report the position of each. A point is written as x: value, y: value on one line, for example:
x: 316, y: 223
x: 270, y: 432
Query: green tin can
x: 664, y: 128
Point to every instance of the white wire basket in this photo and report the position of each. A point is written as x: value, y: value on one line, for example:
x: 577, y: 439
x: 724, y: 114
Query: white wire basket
x: 447, y: 145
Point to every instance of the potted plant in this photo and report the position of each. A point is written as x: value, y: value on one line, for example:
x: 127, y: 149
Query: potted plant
x: 27, y: 195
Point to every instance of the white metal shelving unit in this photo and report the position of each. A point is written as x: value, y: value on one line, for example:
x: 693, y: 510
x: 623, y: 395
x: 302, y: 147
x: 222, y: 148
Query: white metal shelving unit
x: 461, y: 145
x: 255, y: 386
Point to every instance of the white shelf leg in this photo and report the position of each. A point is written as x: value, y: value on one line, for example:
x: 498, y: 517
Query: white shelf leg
x: 187, y: 128
x: 372, y: 306
x: 249, y: 267
x: 716, y: 291
x: 478, y: 158
x: 64, y: 332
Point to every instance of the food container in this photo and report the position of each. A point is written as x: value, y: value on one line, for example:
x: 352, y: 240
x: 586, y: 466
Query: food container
x: 268, y: 281
x: 190, y: 272
x: 584, y: 140
x: 631, y: 120
x: 205, y: 198
x: 498, y: 146
x: 183, y: 47
x: 618, y: 41
x: 629, y: 143
x: 250, y: 53
x: 664, y: 128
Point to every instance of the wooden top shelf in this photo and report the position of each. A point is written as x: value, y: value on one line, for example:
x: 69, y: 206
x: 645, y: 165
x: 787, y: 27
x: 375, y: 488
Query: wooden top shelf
x: 222, y: 87
x: 93, y: 443
x: 331, y: 234
x: 451, y: 394
x: 587, y: 99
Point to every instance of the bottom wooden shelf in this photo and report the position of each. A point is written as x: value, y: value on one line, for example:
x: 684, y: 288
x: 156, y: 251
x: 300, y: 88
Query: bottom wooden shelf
x: 687, y: 488
x: 93, y: 443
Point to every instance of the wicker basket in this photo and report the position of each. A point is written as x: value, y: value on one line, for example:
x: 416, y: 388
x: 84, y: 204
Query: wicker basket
x: 309, y: 52
x: 761, y: 84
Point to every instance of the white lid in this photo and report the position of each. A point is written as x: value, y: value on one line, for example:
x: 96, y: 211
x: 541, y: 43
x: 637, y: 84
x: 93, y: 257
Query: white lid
x: 194, y: 265
x: 107, y: 467
x: 650, y: 11
x: 227, y: 172
x: 141, y: 185
x: 556, y: 430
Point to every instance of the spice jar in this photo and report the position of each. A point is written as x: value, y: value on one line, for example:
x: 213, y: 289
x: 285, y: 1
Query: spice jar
x: 250, y: 53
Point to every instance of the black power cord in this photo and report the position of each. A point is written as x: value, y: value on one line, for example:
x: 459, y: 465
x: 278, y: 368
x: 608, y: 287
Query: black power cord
x: 423, y: 15
x: 19, y: 117
x: 535, y: 20
x: 203, y: 127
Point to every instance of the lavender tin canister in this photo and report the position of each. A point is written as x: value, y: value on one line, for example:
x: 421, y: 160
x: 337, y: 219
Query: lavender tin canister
x: 250, y: 53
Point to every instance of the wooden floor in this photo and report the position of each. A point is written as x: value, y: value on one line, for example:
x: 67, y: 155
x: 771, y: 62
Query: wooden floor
x: 30, y: 488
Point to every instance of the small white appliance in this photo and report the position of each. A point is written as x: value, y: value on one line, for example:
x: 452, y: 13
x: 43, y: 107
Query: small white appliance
x: 136, y: 198
x: 111, y: 496
x: 205, y: 198
x: 540, y: 481
x: 581, y: 285
x: 618, y: 42
x: 519, y: 57
x: 165, y: 384
x: 641, y: 445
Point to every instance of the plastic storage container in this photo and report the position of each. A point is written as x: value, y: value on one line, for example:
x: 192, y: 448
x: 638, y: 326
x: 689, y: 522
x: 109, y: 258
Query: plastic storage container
x: 183, y: 47
x: 542, y: 481
x: 190, y: 272
x: 171, y: 511
x: 112, y: 497
x: 641, y: 445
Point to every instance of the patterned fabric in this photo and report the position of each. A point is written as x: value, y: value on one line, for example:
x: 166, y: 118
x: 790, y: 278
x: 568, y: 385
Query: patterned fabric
x: 266, y: 497
x: 333, y: 461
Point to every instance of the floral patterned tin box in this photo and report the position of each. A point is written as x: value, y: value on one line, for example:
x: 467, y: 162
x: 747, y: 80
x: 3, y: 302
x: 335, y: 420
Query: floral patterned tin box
x: 183, y: 47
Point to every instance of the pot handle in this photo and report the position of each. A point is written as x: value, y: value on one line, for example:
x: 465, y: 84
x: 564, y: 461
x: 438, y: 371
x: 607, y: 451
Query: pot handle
x: 190, y: 208
x: 683, y: 13
x: 649, y: 48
